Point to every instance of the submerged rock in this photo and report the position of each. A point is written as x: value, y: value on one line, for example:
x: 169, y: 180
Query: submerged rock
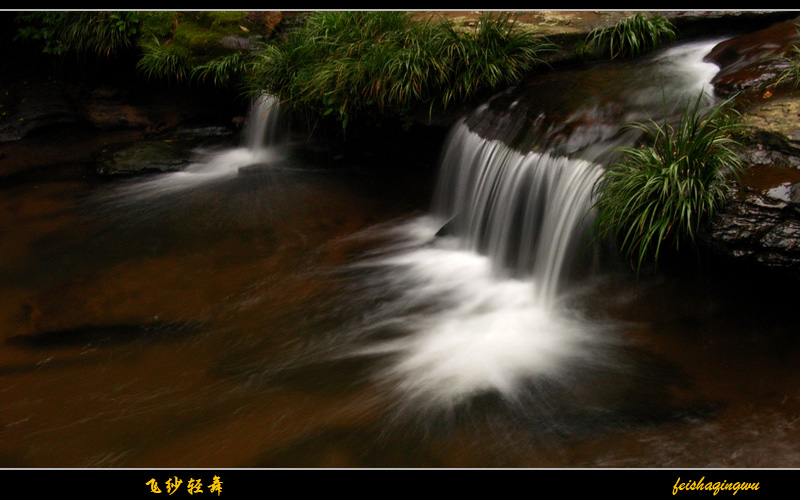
x: 141, y: 157
x: 166, y: 154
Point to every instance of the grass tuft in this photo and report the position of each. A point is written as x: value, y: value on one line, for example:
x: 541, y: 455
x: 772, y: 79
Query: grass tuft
x: 103, y: 33
x: 664, y: 190
x: 346, y: 63
x: 630, y: 37
x: 161, y: 61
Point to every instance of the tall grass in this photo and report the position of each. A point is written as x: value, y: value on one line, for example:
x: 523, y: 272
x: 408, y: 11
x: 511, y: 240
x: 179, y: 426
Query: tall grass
x: 340, y: 63
x: 664, y: 190
x: 224, y: 71
x: 348, y: 62
x: 163, y: 62
x: 103, y: 33
x: 630, y: 37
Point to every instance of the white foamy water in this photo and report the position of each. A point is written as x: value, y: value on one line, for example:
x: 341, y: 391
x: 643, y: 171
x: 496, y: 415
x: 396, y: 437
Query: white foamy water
x: 467, y: 330
x: 686, y: 67
x: 526, y: 212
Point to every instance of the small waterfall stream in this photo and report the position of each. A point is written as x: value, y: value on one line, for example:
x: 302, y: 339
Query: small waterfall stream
x: 261, y: 129
x: 260, y: 145
x: 361, y: 313
x: 477, y: 307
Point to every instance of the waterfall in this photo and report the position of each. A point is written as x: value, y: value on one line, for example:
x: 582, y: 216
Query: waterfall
x: 471, y: 298
x: 527, y: 212
x: 259, y: 146
x: 261, y: 129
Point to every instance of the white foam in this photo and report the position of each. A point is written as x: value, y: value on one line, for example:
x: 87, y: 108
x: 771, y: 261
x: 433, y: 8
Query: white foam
x: 492, y: 333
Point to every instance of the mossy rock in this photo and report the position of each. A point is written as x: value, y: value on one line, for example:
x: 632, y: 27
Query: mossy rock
x: 144, y: 157
x: 191, y: 39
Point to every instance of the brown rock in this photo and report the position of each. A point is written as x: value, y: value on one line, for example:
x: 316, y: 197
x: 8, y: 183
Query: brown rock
x: 752, y: 62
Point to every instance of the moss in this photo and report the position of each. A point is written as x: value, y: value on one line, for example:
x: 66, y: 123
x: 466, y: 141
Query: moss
x: 157, y: 24
x: 191, y: 30
x: 201, y: 30
x: 189, y: 40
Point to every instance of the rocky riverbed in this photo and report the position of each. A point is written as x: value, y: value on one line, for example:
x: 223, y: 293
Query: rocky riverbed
x: 175, y: 319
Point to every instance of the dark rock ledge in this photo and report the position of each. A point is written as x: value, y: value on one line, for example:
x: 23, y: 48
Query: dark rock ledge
x: 760, y: 223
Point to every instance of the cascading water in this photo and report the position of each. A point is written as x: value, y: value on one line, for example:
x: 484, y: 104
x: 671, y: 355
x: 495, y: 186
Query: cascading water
x: 527, y: 212
x: 477, y: 307
x: 261, y: 130
x: 260, y: 145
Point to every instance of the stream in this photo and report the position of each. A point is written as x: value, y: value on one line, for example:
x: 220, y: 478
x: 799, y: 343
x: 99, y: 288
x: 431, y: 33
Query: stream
x: 254, y: 311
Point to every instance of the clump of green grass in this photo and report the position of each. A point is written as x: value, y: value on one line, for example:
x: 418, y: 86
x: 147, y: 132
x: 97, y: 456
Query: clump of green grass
x: 630, y: 37
x: 163, y: 62
x: 664, y: 190
x: 344, y: 63
x: 59, y: 32
x: 496, y: 51
x: 185, y: 46
x: 223, y: 71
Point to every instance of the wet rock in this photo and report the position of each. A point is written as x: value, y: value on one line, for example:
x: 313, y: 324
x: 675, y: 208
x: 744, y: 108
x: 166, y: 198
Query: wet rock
x: 105, y: 110
x: 760, y: 224
x: 448, y: 228
x: 33, y: 107
x: 751, y: 63
x: 166, y: 154
x: 144, y: 157
x: 28, y: 107
x: 774, y: 124
x: 752, y: 230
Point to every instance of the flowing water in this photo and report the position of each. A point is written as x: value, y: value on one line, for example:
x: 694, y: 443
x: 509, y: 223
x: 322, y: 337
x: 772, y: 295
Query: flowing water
x: 253, y: 310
